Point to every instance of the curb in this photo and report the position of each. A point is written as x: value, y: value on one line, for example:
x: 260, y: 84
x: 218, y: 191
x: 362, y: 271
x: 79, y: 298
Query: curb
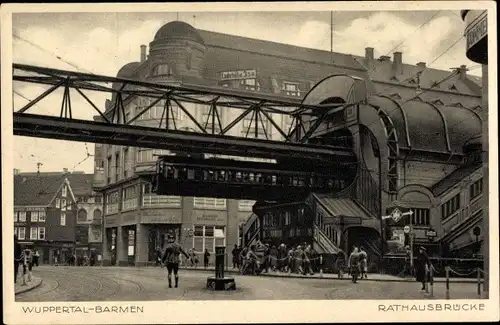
x: 26, y: 289
x: 332, y: 278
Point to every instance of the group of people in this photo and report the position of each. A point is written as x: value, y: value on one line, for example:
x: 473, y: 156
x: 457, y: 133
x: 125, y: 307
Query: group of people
x: 192, y: 258
x: 300, y: 259
x: 358, y: 262
x: 27, y: 258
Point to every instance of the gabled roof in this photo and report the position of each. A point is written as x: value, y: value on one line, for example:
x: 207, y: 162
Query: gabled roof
x: 454, y: 178
x: 41, y: 189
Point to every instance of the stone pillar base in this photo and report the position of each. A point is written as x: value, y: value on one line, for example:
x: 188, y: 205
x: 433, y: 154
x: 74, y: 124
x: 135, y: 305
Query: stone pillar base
x: 221, y: 284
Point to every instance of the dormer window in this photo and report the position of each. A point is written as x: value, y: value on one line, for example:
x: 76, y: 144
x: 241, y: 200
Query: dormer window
x: 162, y: 70
x: 395, y: 96
x: 438, y: 102
x: 412, y: 81
x: 291, y: 89
x: 452, y: 87
x: 394, y: 78
x: 435, y: 84
x: 458, y: 104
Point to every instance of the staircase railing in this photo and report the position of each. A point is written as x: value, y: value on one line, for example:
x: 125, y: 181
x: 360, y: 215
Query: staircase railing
x: 251, y: 229
x: 324, y: 241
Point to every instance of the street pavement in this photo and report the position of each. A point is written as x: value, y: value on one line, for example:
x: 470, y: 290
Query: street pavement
x: 68, y: 283
x: 34, y: 283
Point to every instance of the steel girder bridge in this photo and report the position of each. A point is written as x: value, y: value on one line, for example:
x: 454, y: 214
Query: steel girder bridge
x: 118, y: 124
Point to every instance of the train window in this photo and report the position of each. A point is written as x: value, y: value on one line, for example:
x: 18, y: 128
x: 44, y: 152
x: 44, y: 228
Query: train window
x: 274, y: 179
x: 238, y: 177
x: 258, y: 178
x: 342, y: 184
x: 222, y: 175
x: 245, y: 177
x: 251, y: 177
x: 301, y: 181
x: 211, y: 175
x: 330, y: 183
x: 190, y: 174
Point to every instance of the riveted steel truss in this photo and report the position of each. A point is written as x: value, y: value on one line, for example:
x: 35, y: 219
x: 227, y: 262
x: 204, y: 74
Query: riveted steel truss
x: 134, y: 101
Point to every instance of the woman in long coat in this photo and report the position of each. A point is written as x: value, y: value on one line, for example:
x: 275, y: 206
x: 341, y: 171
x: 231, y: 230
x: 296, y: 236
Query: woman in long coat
x: 422, y: 266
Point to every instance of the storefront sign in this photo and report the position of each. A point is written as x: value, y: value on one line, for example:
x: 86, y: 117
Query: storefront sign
x: 206, y: 218
x: 110, y: 222
x: 161, y: 216
x: 477, y: 31
x: 343, y: 220
x: 29, y: 209
x: 431, y: 233
x: 236, y: 75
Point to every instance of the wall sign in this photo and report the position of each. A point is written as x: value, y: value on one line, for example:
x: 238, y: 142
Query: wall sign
x: 477, y: 32
x: 236, y: 75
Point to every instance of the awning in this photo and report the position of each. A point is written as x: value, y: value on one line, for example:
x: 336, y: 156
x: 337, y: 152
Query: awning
x: 346, y: 208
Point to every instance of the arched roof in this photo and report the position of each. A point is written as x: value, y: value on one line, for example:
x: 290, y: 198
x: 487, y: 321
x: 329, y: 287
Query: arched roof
x: 426, y: 126
x: 178, y: 29
x: 350, y: 89
x: 128, y: 70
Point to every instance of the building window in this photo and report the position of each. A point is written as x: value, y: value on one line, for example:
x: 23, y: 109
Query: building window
x: 151, y: 199
x: 22, y: 216
x: 291, y: 89
x: 34, y: 216
x: 476, y: 188
x: 420, y: 217
x: 249, y: 84
x: 271, y: 220
x: 41, y: 216
x: 210, y: 119
x: 64, y: 191
x: 245, y: 205
x: 129, y: 198
x: 63, y: 204
x: 109, y: 170
x: 34, y: 233
x: 98, y: 198
x: 126, y: 162
x: 162, y: 70
x: 69, y: 204
x: 41, y: 233
x: 82, y: 215
x: 112, y: 202
x: 248, y: 128
x: 208, y: 237
x: 15, y: 232
x: 450, y: 207
x: 22, y: 233
x: 58, y: 203
x: 16, y: 216
x: 209, y: 203
x: 97, y: 215
x: 117, y: 164
x: 131, y: 242
x: 63, y: 219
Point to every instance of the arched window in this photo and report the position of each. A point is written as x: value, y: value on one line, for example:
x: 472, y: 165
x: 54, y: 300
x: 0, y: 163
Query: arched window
x: 82, y: 215
x: 162, y: 70
x: 97, y: 214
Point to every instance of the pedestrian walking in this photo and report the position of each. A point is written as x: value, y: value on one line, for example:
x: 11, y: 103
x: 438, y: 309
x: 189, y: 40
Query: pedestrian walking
x: 206, y: 258
x: 363, y: 262
x: 306, y: 257
x: 422, y: 266
x: 172, y: 259
x: 158, y: 256
x: 18, y: 257
x: 235, y: 254
x: 36, y: 257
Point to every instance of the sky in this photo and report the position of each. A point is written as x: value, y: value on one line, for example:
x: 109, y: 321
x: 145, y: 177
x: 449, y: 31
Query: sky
x: 101, y: 43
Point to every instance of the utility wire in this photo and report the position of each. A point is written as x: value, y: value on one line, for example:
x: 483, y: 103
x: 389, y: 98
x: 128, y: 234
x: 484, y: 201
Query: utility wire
x: 416, y: 30
x: 446, y: 51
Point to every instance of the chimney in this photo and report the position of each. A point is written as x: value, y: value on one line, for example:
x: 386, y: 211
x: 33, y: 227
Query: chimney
x: 143, y: 53
x: 16, y: 171
x: 462, y: 72
x: 384, y: 58
x: 397, y: 66
x: 65, y: 170
x: 421, y: 65
x: 369, y: 57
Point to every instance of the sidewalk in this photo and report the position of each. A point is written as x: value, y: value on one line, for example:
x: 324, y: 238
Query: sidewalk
x: 34, y: 283
x: 329, y: 276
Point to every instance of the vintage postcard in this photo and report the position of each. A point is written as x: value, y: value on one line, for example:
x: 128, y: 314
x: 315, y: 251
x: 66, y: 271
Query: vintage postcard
x: 249, y: 162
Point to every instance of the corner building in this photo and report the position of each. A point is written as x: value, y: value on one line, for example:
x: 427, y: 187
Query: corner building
x: 430, y: 168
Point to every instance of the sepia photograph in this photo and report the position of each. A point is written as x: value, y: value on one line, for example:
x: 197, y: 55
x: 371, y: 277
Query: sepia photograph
x: 160, y: 155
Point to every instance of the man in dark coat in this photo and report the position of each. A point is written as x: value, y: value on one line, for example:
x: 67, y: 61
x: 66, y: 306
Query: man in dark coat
x: 171, y: 258
x: 422, y: 266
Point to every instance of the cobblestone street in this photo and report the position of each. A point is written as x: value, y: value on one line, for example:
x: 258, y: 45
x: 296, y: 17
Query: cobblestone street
x: 64, y: 283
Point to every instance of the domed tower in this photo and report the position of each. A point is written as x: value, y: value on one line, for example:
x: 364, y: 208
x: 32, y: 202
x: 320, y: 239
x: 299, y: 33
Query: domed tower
x: 177, y: 50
